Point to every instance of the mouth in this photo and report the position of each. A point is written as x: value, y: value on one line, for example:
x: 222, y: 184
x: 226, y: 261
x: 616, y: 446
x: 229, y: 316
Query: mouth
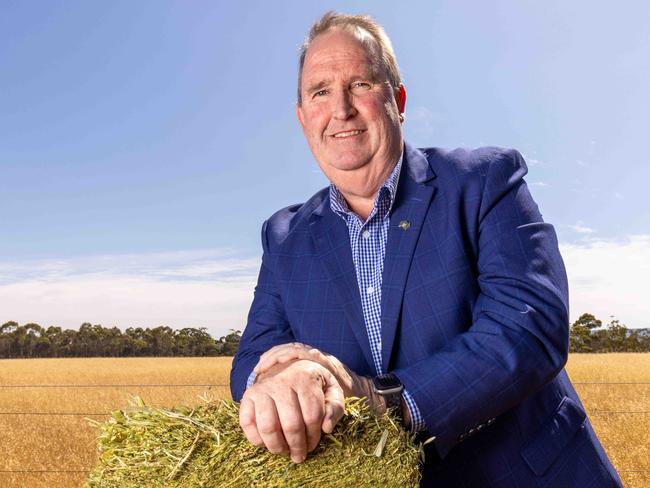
x: 348, y: 133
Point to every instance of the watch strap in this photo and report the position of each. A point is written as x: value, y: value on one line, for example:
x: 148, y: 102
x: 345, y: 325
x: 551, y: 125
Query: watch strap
x: 390, y: 388
x: 394, y: 402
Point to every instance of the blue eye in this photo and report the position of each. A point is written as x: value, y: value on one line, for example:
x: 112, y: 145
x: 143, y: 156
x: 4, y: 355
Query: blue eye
x: 360, y: 86
x: 320, y: 93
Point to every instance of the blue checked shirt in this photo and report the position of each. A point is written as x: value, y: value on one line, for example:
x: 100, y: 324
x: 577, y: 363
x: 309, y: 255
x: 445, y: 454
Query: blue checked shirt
x: 368, y: 241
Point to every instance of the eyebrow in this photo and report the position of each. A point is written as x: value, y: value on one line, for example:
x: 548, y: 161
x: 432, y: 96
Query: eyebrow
x: 317, y: 86
x: 314, y: 87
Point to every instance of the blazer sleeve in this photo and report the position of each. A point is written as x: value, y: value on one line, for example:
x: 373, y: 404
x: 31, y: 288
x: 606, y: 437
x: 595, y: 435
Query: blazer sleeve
x: 518, y: 339
x: 267, y: 325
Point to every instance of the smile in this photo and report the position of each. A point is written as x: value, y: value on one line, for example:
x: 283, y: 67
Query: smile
x: 348, y: 133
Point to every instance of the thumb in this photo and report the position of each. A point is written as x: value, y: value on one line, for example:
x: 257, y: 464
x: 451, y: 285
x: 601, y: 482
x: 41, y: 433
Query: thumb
x: 334, y: 403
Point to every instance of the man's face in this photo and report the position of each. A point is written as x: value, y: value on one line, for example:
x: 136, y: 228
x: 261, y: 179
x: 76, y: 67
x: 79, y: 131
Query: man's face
x: 349, y: 112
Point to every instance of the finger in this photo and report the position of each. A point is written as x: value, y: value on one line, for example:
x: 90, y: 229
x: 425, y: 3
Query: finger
x: 293, y: 427
x: 279, y: 358
x: 283, y: 354
x: 335, y: 402
x: 247, y: 421
x: 268, y: 425
x: 264, y: 358
x: 312, y: 405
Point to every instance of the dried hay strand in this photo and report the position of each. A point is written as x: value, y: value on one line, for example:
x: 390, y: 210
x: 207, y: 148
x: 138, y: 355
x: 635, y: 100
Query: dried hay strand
x: 144, y: 446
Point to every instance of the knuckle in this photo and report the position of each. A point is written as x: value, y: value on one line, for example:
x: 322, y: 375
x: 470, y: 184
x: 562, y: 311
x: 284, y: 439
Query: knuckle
x: 246, y: 422
x: 293, y: 427
x: 313, y: 417
x: 267, y: 430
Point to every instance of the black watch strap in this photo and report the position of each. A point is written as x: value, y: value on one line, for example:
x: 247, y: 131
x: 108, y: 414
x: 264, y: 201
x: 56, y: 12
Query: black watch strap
x: 390, y: 387
x: 394, y: 402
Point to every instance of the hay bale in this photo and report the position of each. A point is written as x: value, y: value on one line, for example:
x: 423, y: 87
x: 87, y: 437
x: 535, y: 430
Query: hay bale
x: 144, y: 446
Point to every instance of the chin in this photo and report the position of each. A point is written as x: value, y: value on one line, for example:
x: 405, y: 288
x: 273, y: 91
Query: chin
x: 347, y: 162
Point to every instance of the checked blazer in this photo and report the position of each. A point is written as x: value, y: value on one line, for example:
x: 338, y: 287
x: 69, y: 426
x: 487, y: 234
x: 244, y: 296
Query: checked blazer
x: 474, y: 318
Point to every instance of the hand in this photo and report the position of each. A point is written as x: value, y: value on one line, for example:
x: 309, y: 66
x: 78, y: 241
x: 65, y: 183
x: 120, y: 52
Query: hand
x: 288, y: 406
x: 351, y: 383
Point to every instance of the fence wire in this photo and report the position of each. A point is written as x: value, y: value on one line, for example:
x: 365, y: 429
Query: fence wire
x: 210, y: 385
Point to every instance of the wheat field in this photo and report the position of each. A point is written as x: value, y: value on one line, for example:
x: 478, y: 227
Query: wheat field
x: 42, y: 445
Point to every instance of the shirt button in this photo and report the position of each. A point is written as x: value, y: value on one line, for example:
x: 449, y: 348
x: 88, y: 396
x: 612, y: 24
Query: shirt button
x: 370, y: 290
x: 366, y: 234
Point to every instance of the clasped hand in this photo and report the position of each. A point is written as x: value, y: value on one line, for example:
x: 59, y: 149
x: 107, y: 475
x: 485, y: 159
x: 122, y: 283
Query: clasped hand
x: 299, y: 392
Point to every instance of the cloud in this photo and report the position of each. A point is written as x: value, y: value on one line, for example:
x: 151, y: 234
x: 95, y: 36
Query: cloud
x: 609, y: 277
x: 207, y: 288
x: 580, y: 228
x: 582, y: 163
x: 214, y: 288
x: 540, y: 184
x: 531, y: 161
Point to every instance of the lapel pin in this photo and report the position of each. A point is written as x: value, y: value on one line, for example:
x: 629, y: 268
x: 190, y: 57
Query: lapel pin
x: 404, y: 225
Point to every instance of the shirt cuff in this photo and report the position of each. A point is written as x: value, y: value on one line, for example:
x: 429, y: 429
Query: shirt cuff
x: 417, y: 421
x: 251, y: 379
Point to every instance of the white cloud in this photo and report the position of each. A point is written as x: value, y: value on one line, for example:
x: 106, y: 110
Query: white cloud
x: 531, y: 161
x: 540, y: 184
x: 582, y: 163
x: 580, y: 228
x: 610, y: 277
x: 208, y: 288
x: 214, y: 288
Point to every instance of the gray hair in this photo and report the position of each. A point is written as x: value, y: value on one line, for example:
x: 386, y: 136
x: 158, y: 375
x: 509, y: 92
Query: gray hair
x: 366, y: 30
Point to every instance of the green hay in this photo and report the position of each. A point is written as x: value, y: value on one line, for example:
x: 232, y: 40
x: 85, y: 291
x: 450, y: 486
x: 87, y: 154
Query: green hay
x: 144, y: 446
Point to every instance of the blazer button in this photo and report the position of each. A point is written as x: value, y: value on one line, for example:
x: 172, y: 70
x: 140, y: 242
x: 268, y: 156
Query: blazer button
x: 471, y: 432
x: 491, y: 421
x: 480, y: 427
x: 462, y: 437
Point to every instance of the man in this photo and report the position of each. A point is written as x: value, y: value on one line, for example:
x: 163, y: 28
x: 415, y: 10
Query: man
x: 425, y: 280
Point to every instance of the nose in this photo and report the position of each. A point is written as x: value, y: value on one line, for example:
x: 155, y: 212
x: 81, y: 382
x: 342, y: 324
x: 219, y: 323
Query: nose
x: 343, y: 105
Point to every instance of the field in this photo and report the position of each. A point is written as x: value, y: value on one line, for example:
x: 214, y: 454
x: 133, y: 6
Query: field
x: 44, y: 404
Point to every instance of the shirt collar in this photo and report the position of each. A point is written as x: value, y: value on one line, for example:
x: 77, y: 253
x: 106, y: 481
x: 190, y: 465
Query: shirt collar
x: 340, y: 206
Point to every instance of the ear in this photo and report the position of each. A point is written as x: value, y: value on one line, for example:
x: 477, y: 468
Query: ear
x: 300, y: 115
x: 400, y: 98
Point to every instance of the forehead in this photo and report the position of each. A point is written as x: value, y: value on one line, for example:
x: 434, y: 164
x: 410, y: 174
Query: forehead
x: 337, y: 51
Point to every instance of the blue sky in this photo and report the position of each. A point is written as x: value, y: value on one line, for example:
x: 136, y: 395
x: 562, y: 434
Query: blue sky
x: 142, y: 144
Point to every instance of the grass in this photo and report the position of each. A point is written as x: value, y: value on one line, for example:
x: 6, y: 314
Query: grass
x: 41, y: 442
x: 30, y: 442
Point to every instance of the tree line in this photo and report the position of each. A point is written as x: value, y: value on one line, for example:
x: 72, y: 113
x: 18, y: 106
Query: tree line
x: 587, y: 334
x: 33, y: 341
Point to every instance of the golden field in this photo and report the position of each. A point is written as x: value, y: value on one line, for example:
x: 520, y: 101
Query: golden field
x: 44, y: 443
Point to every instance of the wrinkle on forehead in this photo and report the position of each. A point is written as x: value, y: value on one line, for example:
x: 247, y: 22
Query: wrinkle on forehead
x: 342, y: 59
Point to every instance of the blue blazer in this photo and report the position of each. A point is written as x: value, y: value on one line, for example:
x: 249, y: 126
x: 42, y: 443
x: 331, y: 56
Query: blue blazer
x: 474, y: 318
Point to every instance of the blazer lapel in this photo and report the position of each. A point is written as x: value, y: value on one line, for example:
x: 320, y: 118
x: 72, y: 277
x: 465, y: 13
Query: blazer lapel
x: 414, y: 193
x: 332, y: 241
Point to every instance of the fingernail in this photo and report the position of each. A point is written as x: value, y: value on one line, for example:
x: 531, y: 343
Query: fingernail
x: 297, y: 458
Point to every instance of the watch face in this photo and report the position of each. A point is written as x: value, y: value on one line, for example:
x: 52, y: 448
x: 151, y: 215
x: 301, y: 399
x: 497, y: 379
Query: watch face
x: 386, y: 382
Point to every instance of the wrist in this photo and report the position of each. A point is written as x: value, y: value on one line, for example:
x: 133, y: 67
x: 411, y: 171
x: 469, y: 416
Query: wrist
x: 406, y: 414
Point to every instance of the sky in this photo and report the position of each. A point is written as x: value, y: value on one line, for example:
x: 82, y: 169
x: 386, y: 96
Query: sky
x: 142, y: 144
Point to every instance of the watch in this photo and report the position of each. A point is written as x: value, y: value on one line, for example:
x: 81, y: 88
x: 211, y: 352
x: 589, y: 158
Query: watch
x: 390, y: 387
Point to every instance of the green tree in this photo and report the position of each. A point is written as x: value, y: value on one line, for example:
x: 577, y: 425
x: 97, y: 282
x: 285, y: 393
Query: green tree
x: 229, y: 343
x: 581, y: 337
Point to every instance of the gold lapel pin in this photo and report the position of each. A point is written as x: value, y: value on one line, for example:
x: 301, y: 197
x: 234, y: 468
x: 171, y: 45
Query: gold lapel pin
x: 404, y: 225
